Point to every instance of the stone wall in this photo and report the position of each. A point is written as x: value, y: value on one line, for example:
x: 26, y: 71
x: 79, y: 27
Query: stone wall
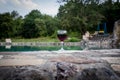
x: 41, y: 43
x: 116, y: 33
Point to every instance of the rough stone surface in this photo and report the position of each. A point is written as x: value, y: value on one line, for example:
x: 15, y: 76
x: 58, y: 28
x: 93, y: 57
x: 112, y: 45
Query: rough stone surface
x: 116, y: 32
x: 60, y: 71
x: 65, y: 65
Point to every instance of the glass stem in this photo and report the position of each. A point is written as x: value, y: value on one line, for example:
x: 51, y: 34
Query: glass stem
x: 62, y: 44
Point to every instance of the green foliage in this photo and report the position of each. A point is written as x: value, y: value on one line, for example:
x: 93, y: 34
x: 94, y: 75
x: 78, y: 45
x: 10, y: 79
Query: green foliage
x: 76, y: 16
x: 17, y: 23
x: 51, y: 24
x: 6, y: 26
x: 39, y: 39
x: 85, y: 15
x: 36, y: 25
x: 111, y: 11
x: 79, y: 16
x: 40, y: 25
x: 74, y: 34
x: 32, y: 25
x: 73, y: 39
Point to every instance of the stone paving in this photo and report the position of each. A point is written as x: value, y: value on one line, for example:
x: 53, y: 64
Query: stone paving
x: 39, y: 57
x: 85, y: 59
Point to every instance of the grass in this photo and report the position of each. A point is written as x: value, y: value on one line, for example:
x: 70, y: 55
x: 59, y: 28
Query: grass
x: 41, y: 39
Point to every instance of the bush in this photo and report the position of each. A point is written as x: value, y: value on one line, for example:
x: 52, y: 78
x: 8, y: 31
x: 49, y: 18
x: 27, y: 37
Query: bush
x: 73, y: 39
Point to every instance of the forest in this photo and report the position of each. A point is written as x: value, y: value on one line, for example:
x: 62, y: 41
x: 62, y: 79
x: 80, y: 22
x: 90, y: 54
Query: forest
x: 75, y: 16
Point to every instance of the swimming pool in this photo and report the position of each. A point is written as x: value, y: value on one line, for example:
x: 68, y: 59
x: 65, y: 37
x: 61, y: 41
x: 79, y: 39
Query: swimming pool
x: 23, y: 47
x: 36, y: 48
x: 50, y: 48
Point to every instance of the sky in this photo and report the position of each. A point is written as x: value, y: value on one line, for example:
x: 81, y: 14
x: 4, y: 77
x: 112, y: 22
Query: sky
x: 23, y: 7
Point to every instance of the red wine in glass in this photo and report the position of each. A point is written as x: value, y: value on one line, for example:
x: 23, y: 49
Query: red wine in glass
x: 62, y: 35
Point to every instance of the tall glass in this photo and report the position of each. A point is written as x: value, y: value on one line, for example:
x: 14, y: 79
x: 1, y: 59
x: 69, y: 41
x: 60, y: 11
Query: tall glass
x: 62, y: 35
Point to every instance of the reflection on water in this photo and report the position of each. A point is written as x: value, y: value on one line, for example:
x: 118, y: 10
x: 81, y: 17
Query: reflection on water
x: 8, y: 46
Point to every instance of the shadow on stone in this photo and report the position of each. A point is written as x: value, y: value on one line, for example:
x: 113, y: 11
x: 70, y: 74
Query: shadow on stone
x: 97, y: 74
x: 62, y: 71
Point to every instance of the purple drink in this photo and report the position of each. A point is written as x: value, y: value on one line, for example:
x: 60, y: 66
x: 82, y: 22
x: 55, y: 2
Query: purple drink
x: 62, y: 37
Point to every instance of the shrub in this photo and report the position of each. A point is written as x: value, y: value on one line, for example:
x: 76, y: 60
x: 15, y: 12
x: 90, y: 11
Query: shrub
x: 73, y: 39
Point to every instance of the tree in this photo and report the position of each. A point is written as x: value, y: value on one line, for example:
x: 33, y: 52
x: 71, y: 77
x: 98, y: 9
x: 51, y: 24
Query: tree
x: 52, y: 24
x: 15, y: 14
x: 6, y: 25
x: 18, y: 21
x: 32, y: 25
x: 117, y: 1
x: 40, y: 24
x: 111, y: 11
x: 80, y: 15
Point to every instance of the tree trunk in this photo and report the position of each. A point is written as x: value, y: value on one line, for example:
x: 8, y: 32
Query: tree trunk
x: 110, y: 1
x: 117, y: 1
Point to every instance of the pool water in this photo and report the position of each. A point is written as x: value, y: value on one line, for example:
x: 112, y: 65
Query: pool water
x: 10, y: 48
x: 36, y: 48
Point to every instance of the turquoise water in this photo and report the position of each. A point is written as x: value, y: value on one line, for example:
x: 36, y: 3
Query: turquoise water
x: 51, y: 48
x: 37, y: 48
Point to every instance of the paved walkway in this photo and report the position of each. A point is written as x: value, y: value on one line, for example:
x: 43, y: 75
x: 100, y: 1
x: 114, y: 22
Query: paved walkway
x: 80, y: 57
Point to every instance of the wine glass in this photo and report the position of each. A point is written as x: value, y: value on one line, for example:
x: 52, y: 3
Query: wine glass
x: 62, y: 35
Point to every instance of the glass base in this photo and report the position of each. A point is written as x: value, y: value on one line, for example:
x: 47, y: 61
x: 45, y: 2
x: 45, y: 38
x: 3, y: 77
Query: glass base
x: 62, y: 49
